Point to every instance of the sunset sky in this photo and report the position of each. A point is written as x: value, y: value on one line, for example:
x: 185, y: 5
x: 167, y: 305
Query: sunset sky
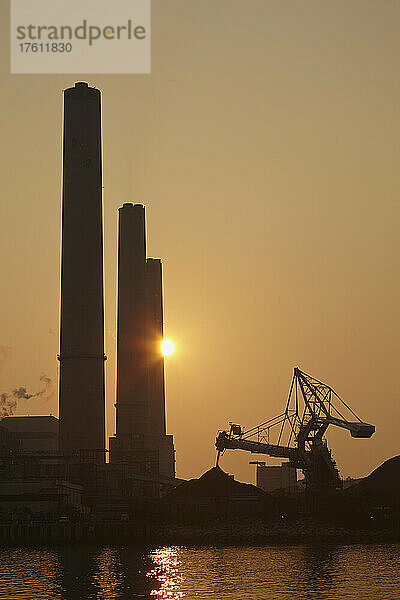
x: 265, y: 147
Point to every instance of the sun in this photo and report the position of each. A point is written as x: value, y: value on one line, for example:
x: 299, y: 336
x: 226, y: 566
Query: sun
x: 167, y: 347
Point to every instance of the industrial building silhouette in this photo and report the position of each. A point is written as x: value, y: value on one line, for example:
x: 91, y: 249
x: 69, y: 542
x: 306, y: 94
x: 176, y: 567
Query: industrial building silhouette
x: 141, y: 455
x: 49, y: 465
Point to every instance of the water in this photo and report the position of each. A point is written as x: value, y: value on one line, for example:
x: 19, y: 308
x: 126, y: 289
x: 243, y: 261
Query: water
x: 314, y: 572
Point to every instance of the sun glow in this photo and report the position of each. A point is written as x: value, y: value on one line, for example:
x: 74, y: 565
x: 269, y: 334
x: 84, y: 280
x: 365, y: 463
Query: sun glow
x: 167, y: 347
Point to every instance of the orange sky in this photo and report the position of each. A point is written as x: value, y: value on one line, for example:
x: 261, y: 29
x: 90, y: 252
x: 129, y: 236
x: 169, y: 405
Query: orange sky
x: 265, y: 146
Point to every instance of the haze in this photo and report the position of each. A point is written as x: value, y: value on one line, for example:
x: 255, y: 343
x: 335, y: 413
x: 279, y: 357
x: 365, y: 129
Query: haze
x: 265, y: 146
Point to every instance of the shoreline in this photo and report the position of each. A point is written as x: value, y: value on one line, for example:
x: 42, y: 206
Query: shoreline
x: 218, y: 534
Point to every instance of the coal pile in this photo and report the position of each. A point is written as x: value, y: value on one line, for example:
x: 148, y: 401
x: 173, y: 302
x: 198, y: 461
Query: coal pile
x: 383, y: 483
x: 215, y: 495
x: 215, y: 483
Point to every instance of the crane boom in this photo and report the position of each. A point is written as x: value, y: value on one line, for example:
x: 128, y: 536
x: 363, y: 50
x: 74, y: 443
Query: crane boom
x: 357, y: 430
x: 300, y: 438
x: 224, y: 442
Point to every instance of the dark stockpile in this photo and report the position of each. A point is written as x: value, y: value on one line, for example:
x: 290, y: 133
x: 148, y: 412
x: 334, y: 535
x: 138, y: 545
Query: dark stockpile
x: 216, y: 495
x: 382, y: 484
x: 215, y: 483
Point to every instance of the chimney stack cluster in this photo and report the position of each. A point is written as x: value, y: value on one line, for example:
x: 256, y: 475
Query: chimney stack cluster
x: 140, y: 442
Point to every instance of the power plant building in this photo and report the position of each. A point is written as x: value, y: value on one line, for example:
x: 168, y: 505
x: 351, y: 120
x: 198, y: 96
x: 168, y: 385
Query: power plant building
x: 50, y: 465
x: 36, y: 434
x: 273, y: 477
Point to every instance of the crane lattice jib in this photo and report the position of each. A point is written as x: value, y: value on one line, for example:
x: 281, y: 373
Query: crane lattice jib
x: 297, y: 433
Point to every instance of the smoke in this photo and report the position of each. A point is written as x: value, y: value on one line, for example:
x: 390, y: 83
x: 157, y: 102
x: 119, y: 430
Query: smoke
x: 9, y: 401
x: 7, y: 405
x: 21, y: 394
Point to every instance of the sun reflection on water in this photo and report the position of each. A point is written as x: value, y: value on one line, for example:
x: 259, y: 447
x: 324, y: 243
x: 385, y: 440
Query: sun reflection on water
x: 108, y: 577
x: 167, y: 574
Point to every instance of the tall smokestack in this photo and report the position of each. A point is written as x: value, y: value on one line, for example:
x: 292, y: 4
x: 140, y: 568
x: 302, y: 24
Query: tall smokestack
x: 155, y: 372
x: 82, y: 398
x: 155, y: 334
x: 132, y: 404
x: 140, y: 441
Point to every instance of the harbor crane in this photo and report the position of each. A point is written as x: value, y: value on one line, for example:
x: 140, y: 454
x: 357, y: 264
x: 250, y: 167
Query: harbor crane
x: 298, y: 433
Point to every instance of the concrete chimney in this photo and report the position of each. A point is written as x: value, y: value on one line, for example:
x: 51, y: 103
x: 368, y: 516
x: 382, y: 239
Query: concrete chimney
x: 140, y: 441
x: 155, y: 369
x: 155, y: 334
x: 82, y: 398
x: 132, y: 404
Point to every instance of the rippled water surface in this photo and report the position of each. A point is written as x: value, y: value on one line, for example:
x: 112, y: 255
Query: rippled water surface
x: 317, y: 572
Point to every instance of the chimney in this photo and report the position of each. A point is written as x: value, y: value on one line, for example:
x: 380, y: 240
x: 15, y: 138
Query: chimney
x: 82, y: 398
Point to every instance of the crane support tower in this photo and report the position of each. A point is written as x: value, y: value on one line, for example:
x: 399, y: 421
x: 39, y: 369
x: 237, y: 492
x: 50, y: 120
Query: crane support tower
x: 298, y: 433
